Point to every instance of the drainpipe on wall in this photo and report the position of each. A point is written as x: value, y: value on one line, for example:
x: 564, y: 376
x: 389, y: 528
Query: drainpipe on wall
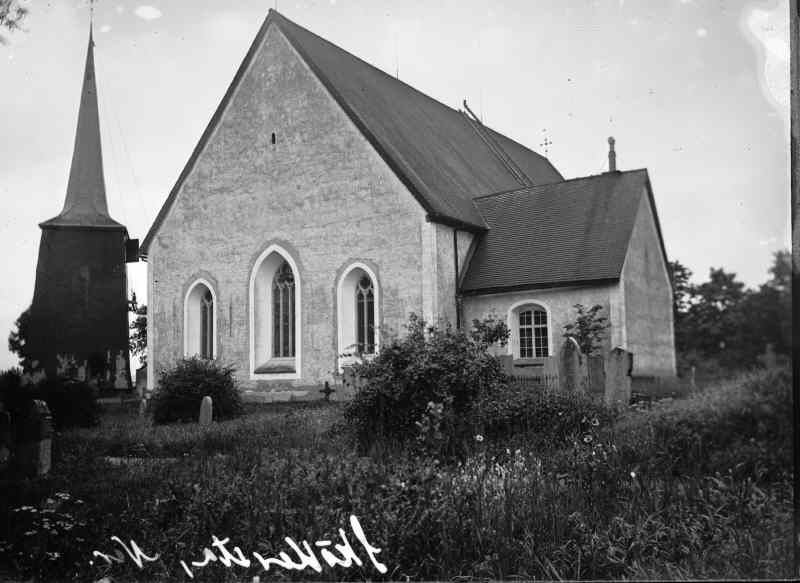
x: 455, y: 287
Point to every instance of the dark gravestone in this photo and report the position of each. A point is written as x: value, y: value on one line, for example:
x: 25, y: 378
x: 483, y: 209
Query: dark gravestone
x: 141, y: 381
x: 619, y: 365
x: 36, y: 439
x: 596, y: 374
x: 507, y: 362
x: 5, y: 438
x: 572, y: 369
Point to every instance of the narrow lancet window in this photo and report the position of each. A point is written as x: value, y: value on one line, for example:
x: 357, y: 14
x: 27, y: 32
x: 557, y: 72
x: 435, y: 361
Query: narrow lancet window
x: 283, y: 331
x: 365, y: 316
x: 207, y: 325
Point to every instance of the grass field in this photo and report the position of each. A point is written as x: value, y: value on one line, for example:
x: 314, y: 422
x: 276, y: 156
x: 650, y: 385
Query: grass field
x: 699, y: 487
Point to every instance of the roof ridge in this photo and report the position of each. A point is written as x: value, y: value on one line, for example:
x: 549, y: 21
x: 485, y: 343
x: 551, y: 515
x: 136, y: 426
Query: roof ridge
x: 397, y: 79
x: 356, y: 57
x: 524, y: 188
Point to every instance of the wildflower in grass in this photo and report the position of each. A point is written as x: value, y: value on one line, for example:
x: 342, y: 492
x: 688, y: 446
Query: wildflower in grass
x: 633, y: 475
x: 587, y: 438
x: 595, y: 422
x: 479, y: 438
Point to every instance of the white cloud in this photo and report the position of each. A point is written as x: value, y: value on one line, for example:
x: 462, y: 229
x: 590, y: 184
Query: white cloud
x: 120, y: 8
x: 701, y: 32
x: 147, y: 12
x: 105, y: 28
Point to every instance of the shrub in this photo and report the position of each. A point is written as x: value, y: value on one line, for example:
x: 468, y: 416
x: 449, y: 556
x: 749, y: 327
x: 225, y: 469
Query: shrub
x: 432, y: 377
x: 182, y: 388
x: 71, y: 403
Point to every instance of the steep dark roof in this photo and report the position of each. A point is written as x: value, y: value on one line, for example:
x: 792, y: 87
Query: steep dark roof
x: 85, y: 205
x: 571, y: 232
x: 432, y: 148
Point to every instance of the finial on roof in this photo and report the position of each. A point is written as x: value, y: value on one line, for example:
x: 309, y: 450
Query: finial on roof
x: 612, y: 155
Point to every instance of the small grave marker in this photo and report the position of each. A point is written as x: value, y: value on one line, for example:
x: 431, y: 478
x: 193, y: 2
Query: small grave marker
x: 327, y: 390
x: 206, y: 411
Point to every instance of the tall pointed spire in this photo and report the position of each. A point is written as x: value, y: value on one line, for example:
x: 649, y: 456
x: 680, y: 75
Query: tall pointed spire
x: 85, y: 204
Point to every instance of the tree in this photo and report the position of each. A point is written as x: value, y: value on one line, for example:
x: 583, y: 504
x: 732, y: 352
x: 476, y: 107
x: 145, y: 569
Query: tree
x: 683, y: 295
x: 138, y: 336
x: 18, y: 340
x: 720, y: 323
x: 682, y: 290
x: 588, y: 329
x: 11, y: 16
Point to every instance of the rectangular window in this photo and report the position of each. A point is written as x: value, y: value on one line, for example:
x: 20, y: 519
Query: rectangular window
x: 533, y: 341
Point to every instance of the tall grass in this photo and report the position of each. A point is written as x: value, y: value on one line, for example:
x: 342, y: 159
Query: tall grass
x: 686, y: 490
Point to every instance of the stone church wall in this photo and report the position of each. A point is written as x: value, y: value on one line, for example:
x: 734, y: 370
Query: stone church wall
x: 648, y: 299
x: 320, y: 191
x: 559, y: 303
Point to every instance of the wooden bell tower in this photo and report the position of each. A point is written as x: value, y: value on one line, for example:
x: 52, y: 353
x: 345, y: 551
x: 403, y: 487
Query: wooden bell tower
x: 78, y: 323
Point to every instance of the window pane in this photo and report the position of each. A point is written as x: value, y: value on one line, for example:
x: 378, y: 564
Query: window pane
x: 370, y: 307
x: 207, y: 325
x: 360, y: 321
x: 283, y: 325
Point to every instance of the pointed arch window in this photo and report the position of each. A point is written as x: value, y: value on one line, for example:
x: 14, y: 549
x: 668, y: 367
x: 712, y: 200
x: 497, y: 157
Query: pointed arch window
x: 200, y: 320
x: 207, y: 325
x: 365, y: 316
x: 283, y: 321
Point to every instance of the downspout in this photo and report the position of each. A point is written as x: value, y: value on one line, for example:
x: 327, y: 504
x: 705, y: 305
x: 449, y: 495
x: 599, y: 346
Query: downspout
x: 455, y: 287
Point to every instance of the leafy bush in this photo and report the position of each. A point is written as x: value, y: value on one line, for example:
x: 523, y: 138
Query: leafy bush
x: 71, y: 403
x: 408, y: 381
x: 182, y: 388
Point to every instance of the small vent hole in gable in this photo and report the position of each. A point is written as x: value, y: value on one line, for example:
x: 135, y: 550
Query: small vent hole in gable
x: 273, y: 139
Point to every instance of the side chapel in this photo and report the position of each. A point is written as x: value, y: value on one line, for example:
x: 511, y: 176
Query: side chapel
x: 327, y: 200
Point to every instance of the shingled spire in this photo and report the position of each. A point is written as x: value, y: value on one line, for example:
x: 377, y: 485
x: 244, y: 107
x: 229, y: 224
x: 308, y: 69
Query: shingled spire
x: 78, y: 321
x: 85, y: 204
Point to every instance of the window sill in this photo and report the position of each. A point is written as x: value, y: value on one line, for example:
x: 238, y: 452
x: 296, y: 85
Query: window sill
x: 528, y: 362
x: 277, y: 366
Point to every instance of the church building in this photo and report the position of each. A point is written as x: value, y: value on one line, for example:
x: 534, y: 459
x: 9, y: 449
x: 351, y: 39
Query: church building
x: 326, y: 201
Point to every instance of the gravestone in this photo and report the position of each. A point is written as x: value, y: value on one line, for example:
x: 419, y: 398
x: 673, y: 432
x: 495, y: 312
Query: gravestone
x: 770, y: 358
x: 206, y: 411
x: 619, y: 365
x: 36, y: 439
x: 141, y: 380
x: 5, y: 438
x: 596, y: 369
x: 507, y: 363
x: 572, y: 369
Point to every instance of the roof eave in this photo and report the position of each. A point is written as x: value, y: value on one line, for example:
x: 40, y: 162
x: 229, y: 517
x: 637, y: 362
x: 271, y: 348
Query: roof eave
x: 538, y: 286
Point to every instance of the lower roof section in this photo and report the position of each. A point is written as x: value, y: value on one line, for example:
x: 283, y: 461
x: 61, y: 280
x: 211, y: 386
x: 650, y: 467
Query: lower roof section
x: 573, y: 232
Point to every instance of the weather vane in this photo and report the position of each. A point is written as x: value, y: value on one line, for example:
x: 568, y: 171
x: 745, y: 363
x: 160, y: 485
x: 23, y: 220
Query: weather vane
x: 546, y: 143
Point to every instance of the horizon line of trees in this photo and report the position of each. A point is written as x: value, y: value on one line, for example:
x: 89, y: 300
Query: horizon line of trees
x: 722, y: 325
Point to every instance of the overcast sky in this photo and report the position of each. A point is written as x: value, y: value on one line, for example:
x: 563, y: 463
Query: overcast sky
x: 696, y: 91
